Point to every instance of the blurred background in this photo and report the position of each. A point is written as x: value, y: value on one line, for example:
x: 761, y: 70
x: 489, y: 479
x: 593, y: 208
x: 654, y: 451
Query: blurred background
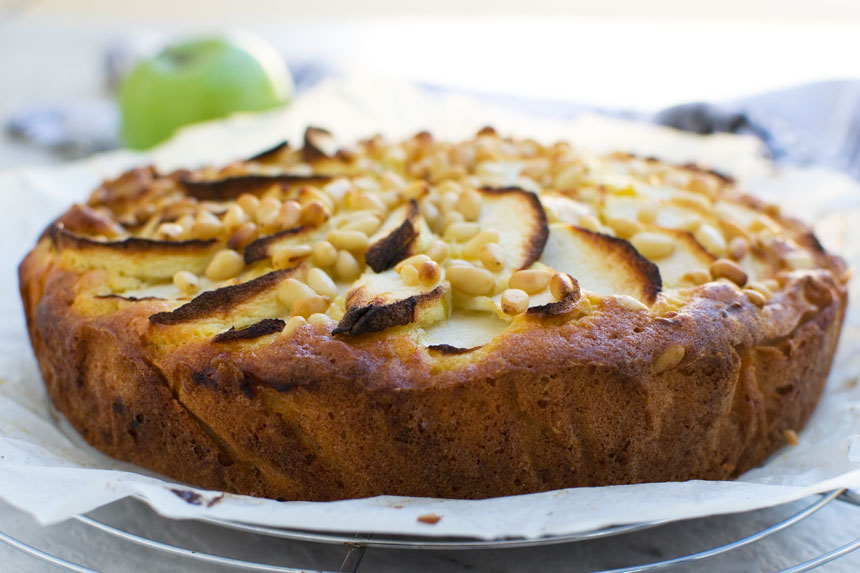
x: 59, y: 58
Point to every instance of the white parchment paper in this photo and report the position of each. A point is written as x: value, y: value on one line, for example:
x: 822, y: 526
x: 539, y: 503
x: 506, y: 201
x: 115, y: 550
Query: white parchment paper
x: 48, y: 471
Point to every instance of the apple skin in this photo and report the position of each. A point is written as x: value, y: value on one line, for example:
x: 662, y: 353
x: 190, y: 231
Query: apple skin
x: 198, y: 80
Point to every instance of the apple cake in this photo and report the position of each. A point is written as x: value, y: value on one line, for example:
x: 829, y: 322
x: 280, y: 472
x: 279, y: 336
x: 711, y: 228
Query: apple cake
x: 452, y: 319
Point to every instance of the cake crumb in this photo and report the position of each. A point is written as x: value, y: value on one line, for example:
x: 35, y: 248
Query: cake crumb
x: 429, y: 518
x: 791, y: 436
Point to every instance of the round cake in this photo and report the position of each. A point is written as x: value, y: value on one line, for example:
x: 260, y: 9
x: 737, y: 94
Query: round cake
x: 449, y: 319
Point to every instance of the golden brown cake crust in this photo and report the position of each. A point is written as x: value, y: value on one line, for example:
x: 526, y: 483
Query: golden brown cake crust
x: 592, y: 396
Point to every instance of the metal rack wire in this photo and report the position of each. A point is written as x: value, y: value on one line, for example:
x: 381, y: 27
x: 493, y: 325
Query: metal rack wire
x: 357, y: 544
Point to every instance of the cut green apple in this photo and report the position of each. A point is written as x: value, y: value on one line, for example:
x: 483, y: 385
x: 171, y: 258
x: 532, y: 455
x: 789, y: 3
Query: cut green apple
x: 199, y: 80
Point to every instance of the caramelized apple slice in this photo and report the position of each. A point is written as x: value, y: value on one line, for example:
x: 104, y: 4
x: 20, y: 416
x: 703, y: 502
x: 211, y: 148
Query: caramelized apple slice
x: 231, y: 187
x: 378, y: 301
x: 270, y: 245
x: 519, y: 218
x: 319, y: 144
x: 273, y: 154
x: 601, y: 264
x: 134, y: 257
x: 253, y: 301
x: 562, y: 209
x: 398, y: 238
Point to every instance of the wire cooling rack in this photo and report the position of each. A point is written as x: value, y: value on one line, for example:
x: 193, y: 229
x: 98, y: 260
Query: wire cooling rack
x: 356, y: 545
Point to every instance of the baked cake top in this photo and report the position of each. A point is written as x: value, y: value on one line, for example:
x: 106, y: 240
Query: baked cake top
x: 450, y: 243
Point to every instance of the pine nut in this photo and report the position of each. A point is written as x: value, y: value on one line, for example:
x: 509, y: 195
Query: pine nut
x: 289, y: 256
x: 561, y: 285
x: 430, y: 212
x: 469, y: 205
x: 514, y: 301
x: 570, y: 177
x: 206, y: 226
x: 669, y: 359
x: 589, y: 223
x: 653, y: 245
x: 367, y: 225
x: 738, y: 248
x: 370, y: 202
x: 711, y: 239
x: 415, y: 260
x: 623, y: 226
x: 324, y: 254
x: 243, y: 236
x: 697, y: 202
x: 438, y: 251
x: 178, y: 209
x: 169, y: 232
x: 292, y: 325
x: 226, y: 264
x: 187, y: 282
x: 234, y: 217
x: 292, y: 290
x: 185, y: 222
x: 415, y: 190
x: 310, y: 305
x: 308, y: 195
x: 731, y: 230
x: 471, y: 280
x: 696, y: 277
x: 391, y: 199
x: 761, y: 288
x: 461, y: 231
x: 289, y: 215
x: 762, y: 223
x: 799, y: 260
x: 314, y: 214
x: 338, y: 189
x: 630, y: 302
x: 391, y: 180
x: 346, y: 267
x: 755, y: 297
x: 354, y: 241
x: 449, y: 200
x: 648, y: 212
x: 267, y: 211
x: 493, y: 257
x: 429, y: 273
x: 473, y: 246
x: 702, y: 185
x: 409, y: 275
x: 724, y: 268
x: 248, y: 202
x: 319, y: 319
x: 530, y: 280
x: 319, y: 280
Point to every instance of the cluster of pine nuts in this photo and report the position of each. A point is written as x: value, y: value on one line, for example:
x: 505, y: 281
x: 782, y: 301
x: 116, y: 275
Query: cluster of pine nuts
x: 346, y: 215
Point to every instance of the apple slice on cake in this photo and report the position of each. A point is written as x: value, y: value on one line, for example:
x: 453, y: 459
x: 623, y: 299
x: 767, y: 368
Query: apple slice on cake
x: 601, y: 264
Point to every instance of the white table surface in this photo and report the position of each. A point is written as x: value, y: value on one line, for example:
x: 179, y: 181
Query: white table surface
x: 44, y: 58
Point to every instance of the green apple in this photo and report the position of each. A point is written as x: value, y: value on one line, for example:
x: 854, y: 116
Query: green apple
x: 198, y: 80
